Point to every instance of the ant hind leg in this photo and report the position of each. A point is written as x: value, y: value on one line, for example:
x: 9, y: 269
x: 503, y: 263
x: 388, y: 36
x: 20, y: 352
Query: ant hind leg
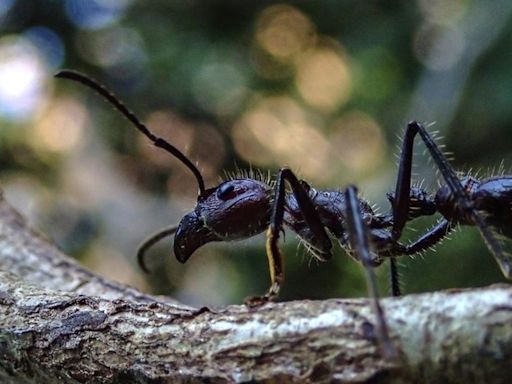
x: 462, y: 200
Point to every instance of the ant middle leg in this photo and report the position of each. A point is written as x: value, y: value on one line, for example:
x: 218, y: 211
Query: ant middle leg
x: 358, y: 236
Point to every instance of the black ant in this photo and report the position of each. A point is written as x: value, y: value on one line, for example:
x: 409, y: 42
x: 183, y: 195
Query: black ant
x: 241, y: 208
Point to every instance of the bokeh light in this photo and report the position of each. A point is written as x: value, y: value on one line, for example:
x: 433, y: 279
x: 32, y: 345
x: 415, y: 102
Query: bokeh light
x: 358, y: 142
x: 443, y: 11
x: 95, y: 14
x: 22, y: 78
x: 5, y: 6
x: 220, y: 87
x: 201, y: 143
x: 375, y: 74
x: 49, y: 44
x: 323, y: 78
x: 60, y: 127
x: 277, y: 131
x: 114, y: 48
x: 283, y: 31
x: 439, y: 48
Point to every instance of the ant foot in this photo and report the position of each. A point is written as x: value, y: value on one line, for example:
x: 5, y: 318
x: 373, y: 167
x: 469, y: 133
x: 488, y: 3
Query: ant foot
x: 256, y: 301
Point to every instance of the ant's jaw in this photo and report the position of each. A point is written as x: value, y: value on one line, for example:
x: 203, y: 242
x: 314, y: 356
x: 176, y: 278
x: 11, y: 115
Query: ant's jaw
x: 190, y: 235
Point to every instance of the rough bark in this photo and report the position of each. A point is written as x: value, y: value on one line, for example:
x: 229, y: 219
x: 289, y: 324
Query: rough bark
x: 61, y: 323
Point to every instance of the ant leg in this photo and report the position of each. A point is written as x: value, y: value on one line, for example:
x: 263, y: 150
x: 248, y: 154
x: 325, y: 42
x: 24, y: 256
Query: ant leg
x: 150, y: 241
x: 401, y: 202
x: 394, y: 277
x: 403, y: 183
x: 358, y: 236
x: 462, y: 200
x: 275, y: 257
x: 430, y: 238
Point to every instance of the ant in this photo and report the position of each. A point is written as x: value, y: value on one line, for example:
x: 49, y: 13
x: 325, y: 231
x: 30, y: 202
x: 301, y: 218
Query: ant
x: 241, y: 208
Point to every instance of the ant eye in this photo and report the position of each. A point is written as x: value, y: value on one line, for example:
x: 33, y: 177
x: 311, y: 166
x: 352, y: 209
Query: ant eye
x: 224, y: 192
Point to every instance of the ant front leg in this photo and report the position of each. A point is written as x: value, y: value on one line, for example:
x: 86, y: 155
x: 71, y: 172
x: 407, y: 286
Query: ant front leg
x: 307, y: 208
x: 358, y: 237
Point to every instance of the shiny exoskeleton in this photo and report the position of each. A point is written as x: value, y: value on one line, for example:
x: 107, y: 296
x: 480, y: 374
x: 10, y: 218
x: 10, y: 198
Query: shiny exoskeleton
x: 241, y: 208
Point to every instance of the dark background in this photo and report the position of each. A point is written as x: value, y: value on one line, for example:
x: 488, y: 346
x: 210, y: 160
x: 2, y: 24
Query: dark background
x: 325, y: 88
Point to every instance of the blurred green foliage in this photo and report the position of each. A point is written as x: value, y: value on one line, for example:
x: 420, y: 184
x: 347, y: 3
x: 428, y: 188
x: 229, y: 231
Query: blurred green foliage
x: 324, y: 87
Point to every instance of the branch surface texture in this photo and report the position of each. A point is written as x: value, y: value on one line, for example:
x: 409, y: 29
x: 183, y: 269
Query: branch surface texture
x: 60, y: 323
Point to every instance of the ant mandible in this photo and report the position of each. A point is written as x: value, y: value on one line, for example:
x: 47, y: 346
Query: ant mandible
x: 241, y: 208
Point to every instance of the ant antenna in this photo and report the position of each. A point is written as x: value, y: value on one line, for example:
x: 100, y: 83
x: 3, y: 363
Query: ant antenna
x: 150, y: 241
x: 119, y: 105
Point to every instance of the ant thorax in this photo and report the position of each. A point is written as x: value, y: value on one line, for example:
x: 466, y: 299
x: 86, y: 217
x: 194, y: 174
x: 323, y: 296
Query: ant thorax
x: 446, y: 202
x: 330, y: 207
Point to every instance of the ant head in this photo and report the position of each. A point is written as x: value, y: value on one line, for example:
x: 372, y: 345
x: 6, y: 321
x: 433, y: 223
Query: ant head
x: 236, y: 209
x: 445, y: 200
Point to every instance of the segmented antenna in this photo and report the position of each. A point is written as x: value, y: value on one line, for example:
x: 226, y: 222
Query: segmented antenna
x: 119, y: 105
x: 150, y: 241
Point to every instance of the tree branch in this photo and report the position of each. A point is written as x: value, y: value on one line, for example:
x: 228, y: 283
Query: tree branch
x: 61, y: 323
